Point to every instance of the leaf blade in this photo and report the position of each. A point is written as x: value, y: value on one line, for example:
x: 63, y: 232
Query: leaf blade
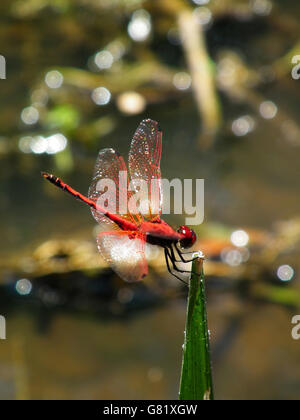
x: 196, y: 376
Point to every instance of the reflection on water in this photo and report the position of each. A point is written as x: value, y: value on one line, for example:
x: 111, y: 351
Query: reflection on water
x: 82, y: 357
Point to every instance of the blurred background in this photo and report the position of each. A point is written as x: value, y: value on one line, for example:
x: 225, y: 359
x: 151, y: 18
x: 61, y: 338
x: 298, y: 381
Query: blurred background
x: 80, y: 76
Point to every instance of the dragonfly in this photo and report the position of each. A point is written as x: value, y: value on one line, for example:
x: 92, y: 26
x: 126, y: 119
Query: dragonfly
x: 122, y: 238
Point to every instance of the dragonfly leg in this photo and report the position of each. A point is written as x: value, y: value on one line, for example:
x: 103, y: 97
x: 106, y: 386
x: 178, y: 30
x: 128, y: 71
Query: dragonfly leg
x: 167, y: 256
x: 171, y: 255
x: 180, y: 253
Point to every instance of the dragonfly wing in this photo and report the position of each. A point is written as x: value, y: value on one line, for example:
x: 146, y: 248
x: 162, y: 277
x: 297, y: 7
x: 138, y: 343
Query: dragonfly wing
x: 110, y: 167
x: 125, y: 253
x: 144, y: 164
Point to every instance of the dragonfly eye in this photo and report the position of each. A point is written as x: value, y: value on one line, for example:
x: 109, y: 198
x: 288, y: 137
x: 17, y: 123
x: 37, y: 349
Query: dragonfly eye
x: 189, y: 236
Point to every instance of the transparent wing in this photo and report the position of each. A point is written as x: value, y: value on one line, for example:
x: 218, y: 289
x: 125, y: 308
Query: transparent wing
x: 125, y: 253
x: 111, y: 166
x: 144, y: 165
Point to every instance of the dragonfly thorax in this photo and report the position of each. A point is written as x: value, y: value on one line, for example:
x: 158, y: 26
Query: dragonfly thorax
x: 159, y: 233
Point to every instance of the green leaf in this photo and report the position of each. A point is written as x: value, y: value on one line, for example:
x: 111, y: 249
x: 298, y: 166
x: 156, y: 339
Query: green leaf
x: 196, y: 376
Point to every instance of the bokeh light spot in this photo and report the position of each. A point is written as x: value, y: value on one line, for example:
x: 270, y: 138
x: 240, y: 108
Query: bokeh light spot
x: 104, y: 60
x: 139, y: 27
x: 239, y: 238
x: 201, y: 2
x: 182, y: 80
x: 232, y: 257
x: 54, y: 79
x: 101, y: 96
x: 268, y: 110
x: 202, y: 15
x: 38, y: 145
x: 285, y: 272
x: 56, y: 143
x: 131, y: 103
x: 243, y: 125
x: 23, y: 287
x: 262, y: 7
x: 30, y: 115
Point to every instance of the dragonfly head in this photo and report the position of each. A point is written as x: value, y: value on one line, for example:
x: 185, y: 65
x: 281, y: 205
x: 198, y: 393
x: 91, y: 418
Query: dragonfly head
x: 189, y: 236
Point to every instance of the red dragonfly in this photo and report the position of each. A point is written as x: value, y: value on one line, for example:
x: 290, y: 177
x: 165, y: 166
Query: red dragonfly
x: 123, y: 237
